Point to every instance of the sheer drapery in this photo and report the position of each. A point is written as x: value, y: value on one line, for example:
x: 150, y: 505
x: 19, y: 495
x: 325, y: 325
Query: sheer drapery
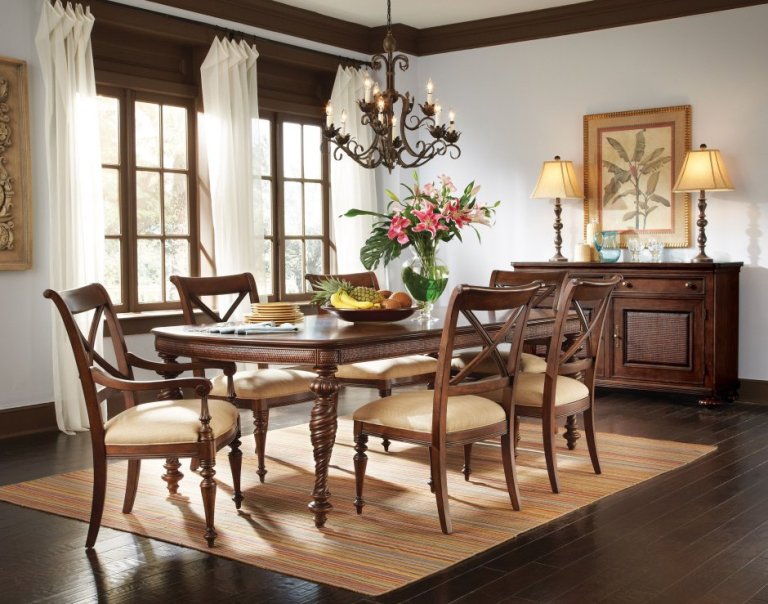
x: 63, y: 41
x: 231, y: 121
x: 352, y: 186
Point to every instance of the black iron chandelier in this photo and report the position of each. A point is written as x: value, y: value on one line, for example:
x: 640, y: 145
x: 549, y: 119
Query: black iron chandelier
x: 388, y: 113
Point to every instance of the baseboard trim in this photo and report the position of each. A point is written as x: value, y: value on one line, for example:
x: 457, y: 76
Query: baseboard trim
x: 753, y: 391
x: 32, y: 419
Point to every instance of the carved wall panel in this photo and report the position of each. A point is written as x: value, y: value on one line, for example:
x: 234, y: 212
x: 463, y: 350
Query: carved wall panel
x: 15, y: 193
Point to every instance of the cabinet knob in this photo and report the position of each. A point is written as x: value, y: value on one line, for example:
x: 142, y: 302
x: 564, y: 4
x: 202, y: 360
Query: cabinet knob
x: 626, y: 283
x: 690, y: 285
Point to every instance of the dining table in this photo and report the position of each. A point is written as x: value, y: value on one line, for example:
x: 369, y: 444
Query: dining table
x: 324, y: 342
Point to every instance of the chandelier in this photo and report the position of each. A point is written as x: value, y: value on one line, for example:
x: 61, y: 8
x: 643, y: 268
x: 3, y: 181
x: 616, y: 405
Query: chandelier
x: 388, y: 113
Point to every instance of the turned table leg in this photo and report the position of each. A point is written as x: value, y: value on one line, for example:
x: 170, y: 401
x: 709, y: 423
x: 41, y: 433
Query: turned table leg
x: 322, y: 427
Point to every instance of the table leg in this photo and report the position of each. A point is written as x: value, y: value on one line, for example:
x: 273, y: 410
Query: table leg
x: 322, y: 427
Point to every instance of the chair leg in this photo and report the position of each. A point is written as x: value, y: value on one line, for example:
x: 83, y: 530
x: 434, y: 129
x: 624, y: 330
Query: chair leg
x: 467, y: 470
x: 589, y: 431
x: 131, y: 484
x: 260, y: 426
x: 510, y: 472
x: 97, y: 503
x: 571, y: 434
x: 235, y: 465
x: 550, y: 454
x: 385, y: 442
x: 437, y: 465
x: 516, y: 430
x: 361, y: 463
x: 172, y: 475
x: 208, y: 492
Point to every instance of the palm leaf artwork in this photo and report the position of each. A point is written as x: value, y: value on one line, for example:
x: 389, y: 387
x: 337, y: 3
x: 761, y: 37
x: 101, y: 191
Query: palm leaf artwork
x: 636, y: 178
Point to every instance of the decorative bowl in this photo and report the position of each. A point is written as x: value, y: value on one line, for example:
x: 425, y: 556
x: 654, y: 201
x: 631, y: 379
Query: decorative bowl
x: 372, y: 315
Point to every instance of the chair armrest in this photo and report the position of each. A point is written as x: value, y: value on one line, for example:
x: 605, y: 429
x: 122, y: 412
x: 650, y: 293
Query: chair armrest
x: 227, y: 367
x: 202, y: 386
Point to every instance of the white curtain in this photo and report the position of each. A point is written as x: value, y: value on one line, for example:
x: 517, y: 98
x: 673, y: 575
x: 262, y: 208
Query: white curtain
x: 63, y: 43
x: 231, y: 122
x: 352, y: 186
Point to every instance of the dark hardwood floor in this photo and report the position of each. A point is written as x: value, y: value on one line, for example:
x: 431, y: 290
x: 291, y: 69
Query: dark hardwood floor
x: 699, y: 534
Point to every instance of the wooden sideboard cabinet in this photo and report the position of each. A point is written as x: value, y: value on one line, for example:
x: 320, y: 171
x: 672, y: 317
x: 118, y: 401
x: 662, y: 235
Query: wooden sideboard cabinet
x: 671, y: 327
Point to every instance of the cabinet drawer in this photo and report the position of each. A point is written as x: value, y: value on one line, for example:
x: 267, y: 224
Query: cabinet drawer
x: 691, y: 286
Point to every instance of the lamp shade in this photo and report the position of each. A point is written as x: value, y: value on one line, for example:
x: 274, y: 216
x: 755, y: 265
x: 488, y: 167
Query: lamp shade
x: 703, y: 170
x: 557, y: 179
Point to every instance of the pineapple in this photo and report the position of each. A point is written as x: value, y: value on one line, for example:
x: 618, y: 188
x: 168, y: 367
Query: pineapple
x: 365, y: 294
x: 327, y: 287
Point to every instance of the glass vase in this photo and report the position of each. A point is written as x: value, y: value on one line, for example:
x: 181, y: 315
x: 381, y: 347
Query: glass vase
x: 425, y: 277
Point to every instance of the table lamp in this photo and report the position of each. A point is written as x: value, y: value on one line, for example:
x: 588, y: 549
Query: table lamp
x: 703, y: 170
x: 558, y: 180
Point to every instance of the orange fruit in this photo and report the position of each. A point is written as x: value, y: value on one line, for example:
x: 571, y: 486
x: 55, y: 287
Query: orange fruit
x: 403, y: 298
x: 390, y: 303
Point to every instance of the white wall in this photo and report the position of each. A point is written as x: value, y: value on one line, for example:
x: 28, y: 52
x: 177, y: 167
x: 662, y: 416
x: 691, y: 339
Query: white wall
x: 25, y: 316
x: 541, y: 90
x: 520, y: 104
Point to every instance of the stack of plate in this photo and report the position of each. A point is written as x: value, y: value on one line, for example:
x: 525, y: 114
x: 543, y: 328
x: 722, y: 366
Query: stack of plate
x: 277, y: 312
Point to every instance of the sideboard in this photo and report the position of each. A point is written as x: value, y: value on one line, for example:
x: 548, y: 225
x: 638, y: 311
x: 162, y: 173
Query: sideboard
x: 671, y: 327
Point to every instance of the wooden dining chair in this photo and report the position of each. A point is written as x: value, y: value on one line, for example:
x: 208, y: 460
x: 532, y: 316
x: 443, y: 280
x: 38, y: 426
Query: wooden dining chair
x: 456, y: 412
x: 546, y: 297
x: 257, y: 389
x: 193, y: 427
x: 567, y: 387
x: 384, y: 374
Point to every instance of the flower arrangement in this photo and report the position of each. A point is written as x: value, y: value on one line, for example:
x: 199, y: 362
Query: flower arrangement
x: 425, y: 217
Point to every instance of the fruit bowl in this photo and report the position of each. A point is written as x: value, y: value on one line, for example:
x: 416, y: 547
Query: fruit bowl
x: 371, y: 315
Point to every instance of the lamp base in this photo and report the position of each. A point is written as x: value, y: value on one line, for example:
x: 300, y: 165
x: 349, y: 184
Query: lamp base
x: 701, y: 258
x: 558, y: 258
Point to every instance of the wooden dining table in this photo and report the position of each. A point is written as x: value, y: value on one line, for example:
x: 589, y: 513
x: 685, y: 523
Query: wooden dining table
x: 324, y: 342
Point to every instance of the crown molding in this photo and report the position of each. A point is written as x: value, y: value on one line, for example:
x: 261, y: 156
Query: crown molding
x: 544, y: 23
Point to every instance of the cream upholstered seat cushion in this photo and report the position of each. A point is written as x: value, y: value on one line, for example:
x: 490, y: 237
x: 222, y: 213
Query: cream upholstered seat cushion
x: 265, y: 383
x: 529, y: 363
x: 413, y: 411
x: 164, y: 422
x: 530, y: 390
x: 386, y: 369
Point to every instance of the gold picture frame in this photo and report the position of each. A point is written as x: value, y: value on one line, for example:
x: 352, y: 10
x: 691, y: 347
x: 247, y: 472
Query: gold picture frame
x: 15, y: 179
x: 631, y: 159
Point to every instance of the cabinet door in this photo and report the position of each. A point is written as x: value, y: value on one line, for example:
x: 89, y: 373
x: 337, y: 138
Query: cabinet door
x: 658, y: 340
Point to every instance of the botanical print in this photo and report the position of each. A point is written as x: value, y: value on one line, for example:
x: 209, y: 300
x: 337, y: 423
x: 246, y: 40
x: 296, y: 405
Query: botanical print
x: 636, y: 178
x: 631, y: 160
x: 6, y: 182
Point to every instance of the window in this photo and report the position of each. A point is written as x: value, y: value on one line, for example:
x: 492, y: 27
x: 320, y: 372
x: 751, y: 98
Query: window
x: 147, y: 151
x: 295, y: 194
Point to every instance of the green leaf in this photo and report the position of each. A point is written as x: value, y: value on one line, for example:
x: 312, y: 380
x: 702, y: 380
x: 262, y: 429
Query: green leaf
x: 391, y: 195
x: 610, y: 190
x: 378, y: 248
x: 639, y: 146
x: 655, y: 165
x: 355, y: 212
x: 652, y: 156
x: 662, y: 200
x: 651, y: 209
x: 653, y: 180
x: 630, y: 215
x: 613, y: 168
x: 618, y: 148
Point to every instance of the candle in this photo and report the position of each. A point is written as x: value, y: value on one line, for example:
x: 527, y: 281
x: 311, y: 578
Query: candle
x: 394, y: 124
x: 430, y: 90
x: 343, y: 120
x: 451, y: 119
x: 582, y: 252
x: 438, y: 110
x: 368, y: 84
x: 381, y: 110
x: 376, y: 89
x: 328, y: 115
x: 592, y: 228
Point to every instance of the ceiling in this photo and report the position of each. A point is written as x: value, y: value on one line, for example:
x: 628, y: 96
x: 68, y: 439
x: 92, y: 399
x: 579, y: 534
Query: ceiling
x: 422, y: 13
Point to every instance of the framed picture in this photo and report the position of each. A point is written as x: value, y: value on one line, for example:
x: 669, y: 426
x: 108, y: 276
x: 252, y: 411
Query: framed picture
x: 15, y: 182
x: 631, y: 160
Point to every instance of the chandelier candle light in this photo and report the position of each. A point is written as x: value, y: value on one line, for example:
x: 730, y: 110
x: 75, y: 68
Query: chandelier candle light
x: 558, y: 180
x: 703, y: 170
x: 391, y: 126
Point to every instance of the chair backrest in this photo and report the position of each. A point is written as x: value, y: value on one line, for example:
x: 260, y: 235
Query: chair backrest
x: 546, y: 297
x: 193, y: 289
x: 509, y: 305
x: 588, y: 299
x: 72, y: 304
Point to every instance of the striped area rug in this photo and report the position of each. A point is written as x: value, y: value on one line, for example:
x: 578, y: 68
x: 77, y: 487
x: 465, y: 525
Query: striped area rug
x: 397, y: 539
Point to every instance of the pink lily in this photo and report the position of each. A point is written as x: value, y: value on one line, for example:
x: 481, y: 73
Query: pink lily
x: 398, y: 229
x: 428, y: 220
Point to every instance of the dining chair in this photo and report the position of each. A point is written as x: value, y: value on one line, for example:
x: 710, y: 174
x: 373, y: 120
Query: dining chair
x: 257, y: 389
x: 191, y: 427
x: 546, y: 297
x: 456, y: 412
x: 567, y: 387
x: 384, y: 374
